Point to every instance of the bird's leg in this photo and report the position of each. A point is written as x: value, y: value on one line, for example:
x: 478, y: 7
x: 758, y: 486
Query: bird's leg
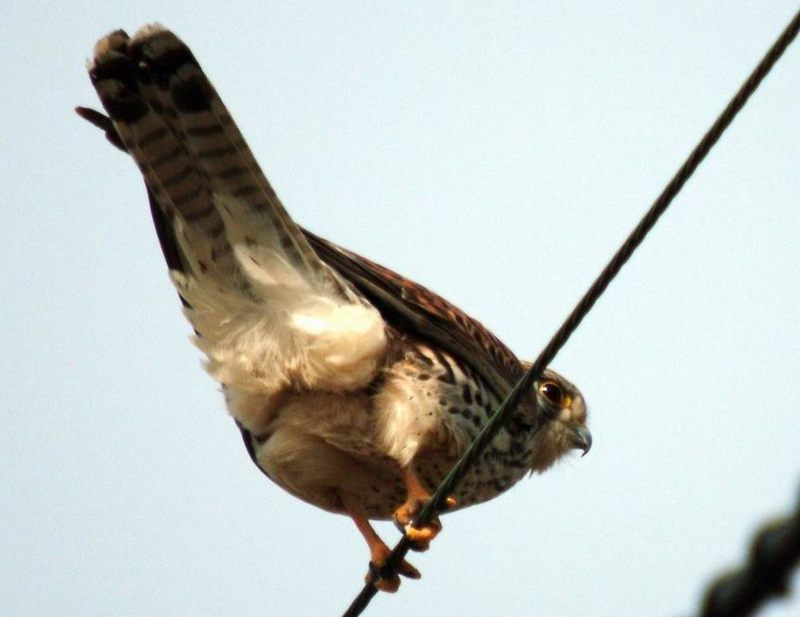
x: 416, y: 497
x: 379, y: 552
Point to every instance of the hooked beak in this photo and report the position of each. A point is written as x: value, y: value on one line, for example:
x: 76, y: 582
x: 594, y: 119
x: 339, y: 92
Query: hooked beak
x: 581, y: 439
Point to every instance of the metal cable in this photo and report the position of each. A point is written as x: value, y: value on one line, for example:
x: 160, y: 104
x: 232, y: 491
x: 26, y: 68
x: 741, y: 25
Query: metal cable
x: 500, y: 417
x: 775, y: 552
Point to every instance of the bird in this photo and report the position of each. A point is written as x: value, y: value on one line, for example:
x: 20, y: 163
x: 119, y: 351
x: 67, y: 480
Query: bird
x: 354, y: 388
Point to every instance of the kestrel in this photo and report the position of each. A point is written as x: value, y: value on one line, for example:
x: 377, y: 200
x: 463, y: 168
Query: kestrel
x: 354, y: 388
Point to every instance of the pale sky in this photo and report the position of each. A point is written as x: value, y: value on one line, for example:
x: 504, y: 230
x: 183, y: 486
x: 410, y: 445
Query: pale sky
x: 499, y: 156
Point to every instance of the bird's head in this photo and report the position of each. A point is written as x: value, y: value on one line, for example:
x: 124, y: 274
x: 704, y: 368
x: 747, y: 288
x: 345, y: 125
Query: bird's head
x: 565, y: 428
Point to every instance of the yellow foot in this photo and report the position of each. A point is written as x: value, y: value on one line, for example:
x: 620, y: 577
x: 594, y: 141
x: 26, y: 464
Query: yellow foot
x: 420, y: 537
x: 379, y: 554
x: 384, y: 582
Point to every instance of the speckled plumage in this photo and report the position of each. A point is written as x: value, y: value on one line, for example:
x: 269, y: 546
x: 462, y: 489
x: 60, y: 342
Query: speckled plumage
x: 355, y: 389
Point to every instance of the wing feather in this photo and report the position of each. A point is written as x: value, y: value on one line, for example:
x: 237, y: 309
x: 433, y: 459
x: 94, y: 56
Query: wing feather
x: 402, y: 301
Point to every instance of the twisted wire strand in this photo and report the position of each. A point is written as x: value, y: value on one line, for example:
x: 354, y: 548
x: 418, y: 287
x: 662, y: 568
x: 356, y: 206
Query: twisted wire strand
x: 774, y: 553
x: 562, y: 335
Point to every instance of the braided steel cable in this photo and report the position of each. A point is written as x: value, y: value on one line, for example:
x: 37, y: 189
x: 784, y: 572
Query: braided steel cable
x: 562, y: 335
x: 774, y: 554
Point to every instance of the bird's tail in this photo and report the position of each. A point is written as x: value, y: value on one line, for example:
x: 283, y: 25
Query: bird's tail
x: 194, y: 159
x: 267, y: 311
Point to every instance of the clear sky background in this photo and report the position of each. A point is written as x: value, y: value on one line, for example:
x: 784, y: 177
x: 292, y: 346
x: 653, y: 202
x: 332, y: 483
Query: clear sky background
x: 498, y: 155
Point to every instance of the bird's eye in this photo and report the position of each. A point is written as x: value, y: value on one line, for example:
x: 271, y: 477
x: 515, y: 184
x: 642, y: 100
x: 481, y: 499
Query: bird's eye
x: 551, y: 392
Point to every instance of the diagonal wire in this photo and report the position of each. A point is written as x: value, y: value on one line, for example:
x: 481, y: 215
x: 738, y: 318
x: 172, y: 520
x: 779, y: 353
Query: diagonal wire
x: 774, y: 553
x: 500, y: 417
